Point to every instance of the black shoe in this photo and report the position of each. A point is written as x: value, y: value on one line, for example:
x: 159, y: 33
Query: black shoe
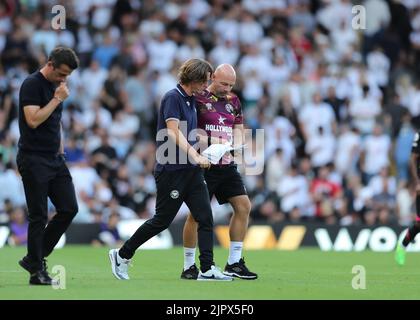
x: 191, y: 273
x: 239, y: 270
x: 26, y: 264
x: 42, y: 278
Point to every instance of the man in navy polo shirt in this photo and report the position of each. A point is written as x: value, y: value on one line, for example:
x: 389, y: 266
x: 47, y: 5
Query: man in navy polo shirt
x: 178, y: 174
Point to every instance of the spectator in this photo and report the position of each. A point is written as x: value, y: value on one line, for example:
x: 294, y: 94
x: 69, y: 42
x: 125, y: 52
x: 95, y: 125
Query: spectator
x: 321, y: 148
x: 403, y: 146
x: 293, y: 191
x: 112, y: 97
x: 325, y: 195
x: 18, y: 227
x: 106, y: 51
x: 364, y: 112
x: 348, y: 151
x: 292, y: 82
x: 108, y: 234
x: 276, y: 169
x: 315, y: 115
x: 337, y: 104
x: 93, y: 78
x: 225, y: 52
x: 394, y: 113
x: 375, y: 153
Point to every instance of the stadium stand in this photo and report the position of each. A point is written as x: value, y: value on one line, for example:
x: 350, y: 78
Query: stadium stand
x: 339, y: 105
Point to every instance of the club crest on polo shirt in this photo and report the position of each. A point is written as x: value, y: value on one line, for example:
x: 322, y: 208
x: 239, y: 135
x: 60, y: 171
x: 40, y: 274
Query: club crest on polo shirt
x: 174, y: 194
x: 229, y: 108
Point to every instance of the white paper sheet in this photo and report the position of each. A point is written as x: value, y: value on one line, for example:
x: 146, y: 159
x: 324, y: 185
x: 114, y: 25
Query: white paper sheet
x: 216, y: 151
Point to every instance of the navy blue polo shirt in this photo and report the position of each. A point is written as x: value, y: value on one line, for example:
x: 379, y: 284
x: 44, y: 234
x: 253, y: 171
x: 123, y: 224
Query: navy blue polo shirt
x: 175, y: 104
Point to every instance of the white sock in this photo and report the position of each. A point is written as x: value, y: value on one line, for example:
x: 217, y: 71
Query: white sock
x: 189, y: 257
x: 235, y: 252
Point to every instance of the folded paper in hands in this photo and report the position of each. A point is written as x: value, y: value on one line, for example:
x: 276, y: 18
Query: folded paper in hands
x: 216, y: 151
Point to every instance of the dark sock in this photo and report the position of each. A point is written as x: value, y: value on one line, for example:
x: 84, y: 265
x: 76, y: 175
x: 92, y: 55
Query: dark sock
x: 205, y: 268
x: 411, y: 234
x: 123, y: 253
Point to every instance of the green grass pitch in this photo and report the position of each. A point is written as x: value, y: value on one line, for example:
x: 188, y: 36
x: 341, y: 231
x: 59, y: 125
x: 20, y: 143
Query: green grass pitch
x: 302, y: 274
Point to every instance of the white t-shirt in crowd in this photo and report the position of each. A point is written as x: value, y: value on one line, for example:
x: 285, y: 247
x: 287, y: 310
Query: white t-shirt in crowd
x: 379, y: 64
x: 364, y: 111
x: 321, y: 149
x: 250, y: 32
x: 162, y: 54
x: 376, y: 184
x: 376, y: 153
x: 224, y: 54
x: 227, y: 29
x: 347, y: 143
x: 294, y: 192
x: 314, y: 116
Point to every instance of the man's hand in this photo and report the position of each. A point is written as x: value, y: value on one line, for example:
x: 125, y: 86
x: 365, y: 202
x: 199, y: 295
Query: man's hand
x: 202, y: 162
x: 62, y: 92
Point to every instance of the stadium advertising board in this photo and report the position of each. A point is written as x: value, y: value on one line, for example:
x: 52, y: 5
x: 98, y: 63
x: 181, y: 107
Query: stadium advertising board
x: 279, y: 236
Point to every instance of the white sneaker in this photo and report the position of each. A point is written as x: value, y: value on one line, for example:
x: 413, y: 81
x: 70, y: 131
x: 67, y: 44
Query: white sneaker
x: 213, y: 274
x: 119, y: 265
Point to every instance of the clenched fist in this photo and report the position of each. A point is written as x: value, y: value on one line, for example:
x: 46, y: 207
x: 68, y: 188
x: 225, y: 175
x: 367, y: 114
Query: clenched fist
x: 62, y: 92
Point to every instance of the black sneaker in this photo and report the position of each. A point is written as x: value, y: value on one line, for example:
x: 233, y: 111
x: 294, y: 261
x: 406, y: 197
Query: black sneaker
x: 239, y: 270
x: 41, y: 278
x: 26, y: 264
x: 191, y: 273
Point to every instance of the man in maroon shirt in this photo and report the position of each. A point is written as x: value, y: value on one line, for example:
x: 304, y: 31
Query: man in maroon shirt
x: 219, y: 114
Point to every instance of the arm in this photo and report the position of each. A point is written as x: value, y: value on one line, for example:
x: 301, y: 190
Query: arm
x: 35, y: 115
x: 176, y: 135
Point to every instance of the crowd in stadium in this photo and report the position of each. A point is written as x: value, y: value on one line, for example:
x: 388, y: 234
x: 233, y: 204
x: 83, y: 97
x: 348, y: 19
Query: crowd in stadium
x: 339, y: 104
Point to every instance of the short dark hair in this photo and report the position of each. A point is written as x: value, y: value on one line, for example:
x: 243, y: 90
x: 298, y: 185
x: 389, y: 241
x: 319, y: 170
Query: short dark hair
x: 63, y: 55
x: 194, y: 70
